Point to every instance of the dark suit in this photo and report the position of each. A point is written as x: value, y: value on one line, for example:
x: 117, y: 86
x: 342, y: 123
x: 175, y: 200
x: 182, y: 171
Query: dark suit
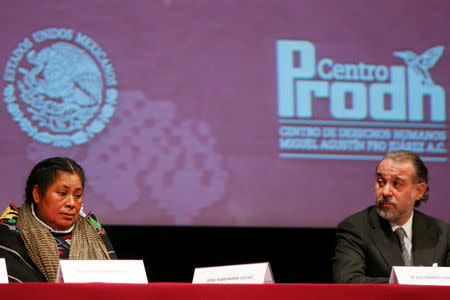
x: 367, y: 248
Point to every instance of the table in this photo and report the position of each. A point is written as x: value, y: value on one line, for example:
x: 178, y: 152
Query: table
x: 220, y: 291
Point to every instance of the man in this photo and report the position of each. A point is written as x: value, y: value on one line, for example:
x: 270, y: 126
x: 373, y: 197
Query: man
x: 368, y: 243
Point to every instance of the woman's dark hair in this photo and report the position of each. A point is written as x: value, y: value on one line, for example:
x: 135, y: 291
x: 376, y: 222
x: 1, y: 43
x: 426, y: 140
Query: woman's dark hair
x: 45, y: 173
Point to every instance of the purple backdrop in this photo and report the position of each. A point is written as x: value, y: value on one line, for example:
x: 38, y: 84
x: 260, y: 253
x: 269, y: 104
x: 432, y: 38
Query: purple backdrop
x: 180, y: 102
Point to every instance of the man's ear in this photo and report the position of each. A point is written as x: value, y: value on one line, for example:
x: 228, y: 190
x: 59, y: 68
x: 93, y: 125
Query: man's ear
x: 420, y: 190
x: 36, y: 194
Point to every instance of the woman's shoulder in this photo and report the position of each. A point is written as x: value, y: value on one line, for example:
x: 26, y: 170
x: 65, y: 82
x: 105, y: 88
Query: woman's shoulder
x: 10, y: 217
x: 98, y: 227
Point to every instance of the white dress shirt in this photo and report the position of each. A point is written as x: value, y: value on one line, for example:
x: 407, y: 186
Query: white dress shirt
x: 408, y: 229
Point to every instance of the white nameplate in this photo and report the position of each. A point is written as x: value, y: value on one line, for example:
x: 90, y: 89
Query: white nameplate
x: 249, y: 273
x: 420, y: 275
x: 111, y: 271
x: 3, y: 271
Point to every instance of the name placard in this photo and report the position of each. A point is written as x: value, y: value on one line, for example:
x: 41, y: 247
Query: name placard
x: 111, y: 271
x: 420, y: 275
x: 3, y: 271
x: 257, y: 273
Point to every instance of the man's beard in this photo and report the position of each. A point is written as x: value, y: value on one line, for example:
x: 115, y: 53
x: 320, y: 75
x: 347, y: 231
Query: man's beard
x: 387, y: 212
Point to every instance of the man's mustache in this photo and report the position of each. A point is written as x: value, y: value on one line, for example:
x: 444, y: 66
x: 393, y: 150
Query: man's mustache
x: 384, y: 199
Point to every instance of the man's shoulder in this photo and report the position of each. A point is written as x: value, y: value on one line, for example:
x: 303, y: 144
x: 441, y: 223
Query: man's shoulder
x: 427, y: 219
x: 360, y: 218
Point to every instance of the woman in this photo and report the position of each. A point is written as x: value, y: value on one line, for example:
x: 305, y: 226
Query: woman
x: 49, y: 225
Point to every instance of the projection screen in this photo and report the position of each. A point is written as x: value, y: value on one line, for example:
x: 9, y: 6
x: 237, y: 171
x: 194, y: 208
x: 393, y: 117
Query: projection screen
x: 225, y: 113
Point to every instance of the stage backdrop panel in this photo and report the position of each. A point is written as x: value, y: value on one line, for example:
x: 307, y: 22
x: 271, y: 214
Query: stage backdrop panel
x: 229, y: 113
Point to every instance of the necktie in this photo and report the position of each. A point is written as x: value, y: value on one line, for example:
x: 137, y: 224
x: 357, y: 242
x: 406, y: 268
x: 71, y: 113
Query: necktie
x: 401, y: 236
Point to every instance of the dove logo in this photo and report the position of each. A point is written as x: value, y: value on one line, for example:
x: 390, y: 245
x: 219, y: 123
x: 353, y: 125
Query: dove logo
x: 60, y: 87
x: 357, y: 91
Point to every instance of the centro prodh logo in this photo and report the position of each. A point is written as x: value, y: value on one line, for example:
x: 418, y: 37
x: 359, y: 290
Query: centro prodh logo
x: 329, y: 109
x: 60, y: 87
x: 406, y: 92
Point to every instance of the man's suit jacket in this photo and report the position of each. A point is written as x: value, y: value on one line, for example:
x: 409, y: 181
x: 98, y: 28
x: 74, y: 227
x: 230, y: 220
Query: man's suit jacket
x: 367, y: 248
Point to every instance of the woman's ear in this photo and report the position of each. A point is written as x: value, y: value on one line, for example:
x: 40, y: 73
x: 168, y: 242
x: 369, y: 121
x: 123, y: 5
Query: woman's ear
x: 36, y: 194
